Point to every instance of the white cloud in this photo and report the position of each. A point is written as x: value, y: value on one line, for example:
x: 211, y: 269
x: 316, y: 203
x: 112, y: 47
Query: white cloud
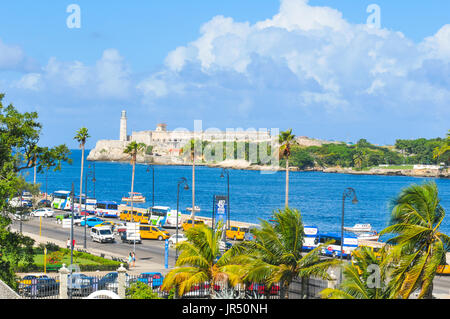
x: 30, y: 81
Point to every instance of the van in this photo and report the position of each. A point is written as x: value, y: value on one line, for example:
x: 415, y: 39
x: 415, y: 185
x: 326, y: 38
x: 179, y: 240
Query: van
x: 237, y: 232
x: 187, y: 224
x: 125, y: 215
x: 153, y: 232
x: 102, y: 234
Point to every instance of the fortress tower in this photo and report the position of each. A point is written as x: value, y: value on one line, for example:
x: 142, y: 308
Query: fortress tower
x: 123, y: 127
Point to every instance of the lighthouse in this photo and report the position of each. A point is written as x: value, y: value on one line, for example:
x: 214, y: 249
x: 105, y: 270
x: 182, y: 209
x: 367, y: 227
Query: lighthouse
x: 123, y: 127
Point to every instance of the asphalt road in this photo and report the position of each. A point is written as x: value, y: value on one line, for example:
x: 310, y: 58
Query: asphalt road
x: 151, y: 251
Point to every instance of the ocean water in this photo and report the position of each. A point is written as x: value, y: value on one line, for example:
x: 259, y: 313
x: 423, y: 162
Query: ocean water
x: 253, y: 195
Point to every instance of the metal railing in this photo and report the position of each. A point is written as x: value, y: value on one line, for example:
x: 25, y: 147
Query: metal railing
x: 79, y: 286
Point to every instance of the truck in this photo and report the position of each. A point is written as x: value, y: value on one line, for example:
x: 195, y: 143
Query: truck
x: 132, y: 234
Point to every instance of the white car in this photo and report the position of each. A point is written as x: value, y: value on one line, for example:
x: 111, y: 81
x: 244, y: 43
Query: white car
x: 43, y: 212
x: 173, y: 239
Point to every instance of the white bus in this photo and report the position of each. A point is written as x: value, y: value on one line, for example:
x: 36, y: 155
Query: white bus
x: 62, y: 200
x: 107, y: 209
x: 164, y: 216
x: 87, y: 204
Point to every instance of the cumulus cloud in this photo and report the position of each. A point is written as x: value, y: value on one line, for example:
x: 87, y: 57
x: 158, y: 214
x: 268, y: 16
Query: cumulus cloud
x: 326, y: 62
x: 108, y: 78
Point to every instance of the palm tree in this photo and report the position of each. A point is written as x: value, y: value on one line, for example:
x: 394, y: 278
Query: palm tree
x: 444, y: 150
x: 276, y: 254
x: 364, y: 278
x: 286, y: 140
x: 359, y: 158
x: 201, y: 261
x: 81, y: 137
x: 418, y: 245
x: 133, y: 149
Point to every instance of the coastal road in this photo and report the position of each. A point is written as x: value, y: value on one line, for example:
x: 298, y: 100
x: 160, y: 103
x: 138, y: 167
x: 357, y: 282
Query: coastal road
x: 150, y: 251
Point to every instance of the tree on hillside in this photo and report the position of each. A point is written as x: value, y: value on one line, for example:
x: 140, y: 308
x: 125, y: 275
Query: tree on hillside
x: 442, y: 152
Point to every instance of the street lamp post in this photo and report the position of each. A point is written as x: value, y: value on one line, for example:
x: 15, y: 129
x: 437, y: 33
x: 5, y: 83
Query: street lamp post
x: 347, y: 194
x: 153, y: 182
x: 182, y: 181
x: 225, y: 170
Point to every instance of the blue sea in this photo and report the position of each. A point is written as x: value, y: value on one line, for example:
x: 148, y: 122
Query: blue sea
x: 253, y: 195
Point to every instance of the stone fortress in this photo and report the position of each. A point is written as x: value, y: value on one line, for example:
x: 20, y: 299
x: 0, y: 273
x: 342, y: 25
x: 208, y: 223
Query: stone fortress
x: 166, y: 145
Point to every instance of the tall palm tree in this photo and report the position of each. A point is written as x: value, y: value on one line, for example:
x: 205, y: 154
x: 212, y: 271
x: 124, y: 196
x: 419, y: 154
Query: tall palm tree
x: 275, y: 256
x: 201, y: 261
x: 81, y: 137
x: 418, y: 245
x: 286, y: 140
x: 191, y: 148
x: 133, y: 149
x: 364, y: 278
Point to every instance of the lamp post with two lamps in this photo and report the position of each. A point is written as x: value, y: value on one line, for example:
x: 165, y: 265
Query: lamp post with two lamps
x: 182, y: 181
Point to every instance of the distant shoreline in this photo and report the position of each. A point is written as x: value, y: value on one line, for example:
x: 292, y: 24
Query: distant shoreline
x: 431, y: 173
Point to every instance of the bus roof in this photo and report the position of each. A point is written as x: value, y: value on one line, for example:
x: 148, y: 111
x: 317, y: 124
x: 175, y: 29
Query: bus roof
x: 337, y: 235
x: 106, y: 202
x: 61, y: 192
x: 160, y: 207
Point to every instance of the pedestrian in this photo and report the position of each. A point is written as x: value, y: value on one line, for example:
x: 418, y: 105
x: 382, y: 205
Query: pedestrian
x: 130, y: 259
x: 73, y: 243
x: 134, y: 259
x: 68, y: 243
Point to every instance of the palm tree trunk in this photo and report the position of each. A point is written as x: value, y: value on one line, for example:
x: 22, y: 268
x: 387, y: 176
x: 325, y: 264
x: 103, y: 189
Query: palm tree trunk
x: 132, y: 190
x: 81, y: 177
x: 193, y: 190
x: 287, y: 184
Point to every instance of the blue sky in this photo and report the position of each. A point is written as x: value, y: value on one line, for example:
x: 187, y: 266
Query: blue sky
x: 312, y: 65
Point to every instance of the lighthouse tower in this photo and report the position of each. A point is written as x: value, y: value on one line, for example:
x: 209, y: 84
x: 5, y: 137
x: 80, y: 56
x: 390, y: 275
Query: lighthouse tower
x: 123, y: 127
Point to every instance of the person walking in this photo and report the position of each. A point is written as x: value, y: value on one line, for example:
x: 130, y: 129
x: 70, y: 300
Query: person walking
x: 134, y: 259
x: 68, y: 243
x: 130, y: 259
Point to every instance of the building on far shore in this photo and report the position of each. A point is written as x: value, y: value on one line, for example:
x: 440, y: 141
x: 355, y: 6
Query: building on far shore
x: 169, y: 143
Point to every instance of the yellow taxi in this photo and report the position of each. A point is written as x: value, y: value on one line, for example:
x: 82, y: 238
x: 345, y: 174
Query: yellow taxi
x: 187, y: 224
x: 106, y: 224
x: 236, y: 232
x: 153, y: 232
x: 140, y: 217
x: 125, y: 215
x: 443, y: 270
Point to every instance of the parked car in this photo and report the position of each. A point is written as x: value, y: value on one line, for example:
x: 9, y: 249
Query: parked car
x: 43, y: 212
x: 85, y: 213
x: 110, y: 281
x: 28, y: 279
x: 120, y: 227
x: 76, y: 218
x: 91, y: 221
x: 155, y: 279
x: 102, y: 234
x: 81, y: 285
x: 261, y: 289
x: 173, y: 239
x: 40, y: 287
